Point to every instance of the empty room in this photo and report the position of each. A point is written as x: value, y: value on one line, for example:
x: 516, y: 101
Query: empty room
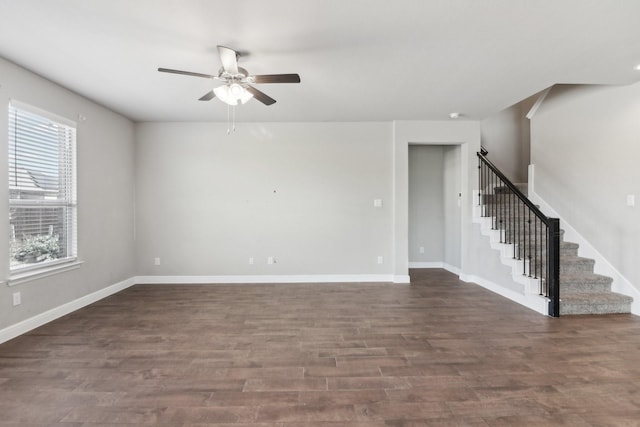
x: 354, y: 213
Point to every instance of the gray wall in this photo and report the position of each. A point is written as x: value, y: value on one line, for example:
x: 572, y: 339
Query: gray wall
x: 426, y: 203
x: 105, y: 151
x: 585, y: 145
x: 300, y: 192
x: 506, y: 136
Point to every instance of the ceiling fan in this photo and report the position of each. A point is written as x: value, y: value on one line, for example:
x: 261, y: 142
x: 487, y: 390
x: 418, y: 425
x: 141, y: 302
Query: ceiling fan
x: 237, y: 87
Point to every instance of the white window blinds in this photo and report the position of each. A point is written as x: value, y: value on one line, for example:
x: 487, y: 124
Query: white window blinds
x: 42, y: 188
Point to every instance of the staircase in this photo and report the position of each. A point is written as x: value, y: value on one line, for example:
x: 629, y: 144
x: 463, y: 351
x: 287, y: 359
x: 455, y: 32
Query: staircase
x: 581, y: 290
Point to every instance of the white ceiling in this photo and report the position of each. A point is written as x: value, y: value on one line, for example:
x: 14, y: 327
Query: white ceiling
x: 359, y: 60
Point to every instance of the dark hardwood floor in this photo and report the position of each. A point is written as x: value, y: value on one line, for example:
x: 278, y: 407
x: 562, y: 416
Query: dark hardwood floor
x: 437, y: 353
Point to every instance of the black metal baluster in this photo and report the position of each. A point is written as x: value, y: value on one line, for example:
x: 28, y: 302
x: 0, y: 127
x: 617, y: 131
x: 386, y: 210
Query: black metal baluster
x: 485, y: 191
x: 535, y: 248
x: 479, y: 182
x: 517, y: 243
x: 493, y: 200
x: 482, y: 191
x: 509, y: 217
x: 511, y: 209
x: 500, y: 209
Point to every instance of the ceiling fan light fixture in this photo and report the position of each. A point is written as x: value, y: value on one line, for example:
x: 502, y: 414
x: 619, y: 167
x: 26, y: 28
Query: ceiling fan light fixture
x: 236, y: 90
x: 233, y: 94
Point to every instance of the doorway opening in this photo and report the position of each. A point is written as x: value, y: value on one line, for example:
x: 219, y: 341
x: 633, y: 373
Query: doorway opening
x: 435, y: 183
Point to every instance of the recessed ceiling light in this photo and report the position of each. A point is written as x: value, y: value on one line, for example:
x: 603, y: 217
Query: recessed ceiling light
x: 454, y: 115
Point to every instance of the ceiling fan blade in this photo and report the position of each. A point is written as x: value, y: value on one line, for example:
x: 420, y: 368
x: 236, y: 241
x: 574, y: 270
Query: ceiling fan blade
x: 260, y: 96
x: 186, y: 73
x: 207, y: 96
x: 229, y: 59
x: 277, y: 78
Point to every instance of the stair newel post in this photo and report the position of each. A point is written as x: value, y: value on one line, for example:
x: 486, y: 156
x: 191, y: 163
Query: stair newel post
x: 553, y: 267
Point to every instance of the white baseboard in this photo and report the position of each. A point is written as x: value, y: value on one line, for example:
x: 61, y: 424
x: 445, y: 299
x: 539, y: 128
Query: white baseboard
x: 416, y: 264
x: 402, y: 279
x: 27, y: 325
x: 253, y: 279
x: 534, y: 302
x: 602, y: 266
x: 450, y: 268
x: 439, y: 264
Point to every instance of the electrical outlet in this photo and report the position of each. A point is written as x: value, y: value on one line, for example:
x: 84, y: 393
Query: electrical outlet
x: 421, y: 249
x: 380, y: 259
x: 271, y: 260
x: 17, y: 299
x: 250, y: 260
x: 156, y: 261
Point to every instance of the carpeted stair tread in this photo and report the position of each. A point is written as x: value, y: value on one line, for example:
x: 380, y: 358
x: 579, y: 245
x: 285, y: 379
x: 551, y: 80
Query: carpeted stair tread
x: 594, y: 303
x: 567, y: 245
x: 584, y: 282
x: 569, y: 263
x: 572, y: 263
x: 584, y: 277
x: 585, y: 298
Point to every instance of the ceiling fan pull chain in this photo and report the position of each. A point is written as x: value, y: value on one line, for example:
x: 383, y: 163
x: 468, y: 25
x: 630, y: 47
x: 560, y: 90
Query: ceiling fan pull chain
x: 234, y: 118
x: 228, y: 108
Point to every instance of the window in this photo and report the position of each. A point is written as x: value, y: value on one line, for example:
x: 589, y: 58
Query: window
x: 42, y: 189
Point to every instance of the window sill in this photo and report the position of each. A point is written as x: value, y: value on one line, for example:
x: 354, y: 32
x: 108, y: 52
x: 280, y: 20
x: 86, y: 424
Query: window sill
x: 27, y: 276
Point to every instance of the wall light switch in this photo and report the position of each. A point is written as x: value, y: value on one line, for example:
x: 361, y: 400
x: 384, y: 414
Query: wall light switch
x: 631, y: 200
x: 377, y: 203
x: 17, y: 299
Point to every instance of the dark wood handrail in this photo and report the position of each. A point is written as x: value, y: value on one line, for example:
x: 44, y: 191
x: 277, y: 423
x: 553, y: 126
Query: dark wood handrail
x: 515, y: 190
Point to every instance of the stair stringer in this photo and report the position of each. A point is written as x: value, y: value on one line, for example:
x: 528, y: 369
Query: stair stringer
x: 525, y: 289
x: 519, y: 267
